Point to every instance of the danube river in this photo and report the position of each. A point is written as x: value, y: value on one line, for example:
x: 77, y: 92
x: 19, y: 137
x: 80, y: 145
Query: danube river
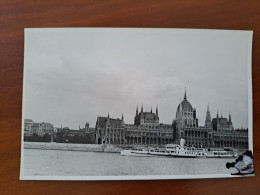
x: 75, y: 163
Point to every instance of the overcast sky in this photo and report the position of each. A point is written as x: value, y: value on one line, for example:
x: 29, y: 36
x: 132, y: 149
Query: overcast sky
x: 74, y: 75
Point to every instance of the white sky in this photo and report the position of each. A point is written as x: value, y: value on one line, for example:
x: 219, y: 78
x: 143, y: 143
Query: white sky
x: 74, y: 75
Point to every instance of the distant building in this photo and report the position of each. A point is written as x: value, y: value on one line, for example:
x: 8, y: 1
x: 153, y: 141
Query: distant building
x: 27, y: 127
x: 38, y: 128
x: 67, y: 132
x: 81, y: 135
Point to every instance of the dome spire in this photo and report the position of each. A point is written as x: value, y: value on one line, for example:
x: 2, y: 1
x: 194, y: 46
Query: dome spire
x: 185, y: 96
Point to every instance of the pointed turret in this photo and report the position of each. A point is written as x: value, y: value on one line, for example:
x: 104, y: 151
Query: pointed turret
x: 151, y: 109
x: 157, y: 110
x: 208, y: 118
x: 108, y: 118
x: 136, y: 111
x: 122, y: 120
x: 142, y: 109
x: 230, y: 121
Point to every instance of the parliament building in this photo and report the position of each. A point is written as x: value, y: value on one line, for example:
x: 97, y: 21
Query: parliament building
x: 147, y: 130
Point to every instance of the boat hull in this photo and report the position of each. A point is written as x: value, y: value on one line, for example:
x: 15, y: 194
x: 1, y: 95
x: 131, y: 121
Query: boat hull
x: 221, y: 156
x: 154, y: 154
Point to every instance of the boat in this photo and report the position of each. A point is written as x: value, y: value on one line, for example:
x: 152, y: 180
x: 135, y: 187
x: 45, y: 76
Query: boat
x: 170, y: 150
x: 181, y: 151
x: 221, y: 153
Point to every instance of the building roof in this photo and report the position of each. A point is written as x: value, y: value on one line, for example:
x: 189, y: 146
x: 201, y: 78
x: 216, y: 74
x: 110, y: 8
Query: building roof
x: 221, y: 121
x: 185, y: 106
x: 149, y: 115
x: 101, y: 121
x: 28, y: 120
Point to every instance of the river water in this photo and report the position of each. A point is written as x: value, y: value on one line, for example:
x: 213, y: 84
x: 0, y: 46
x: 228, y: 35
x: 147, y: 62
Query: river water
x: 76, y: 163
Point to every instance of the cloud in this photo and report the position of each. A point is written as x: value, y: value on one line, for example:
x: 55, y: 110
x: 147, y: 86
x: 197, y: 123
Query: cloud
x: 72, y: 76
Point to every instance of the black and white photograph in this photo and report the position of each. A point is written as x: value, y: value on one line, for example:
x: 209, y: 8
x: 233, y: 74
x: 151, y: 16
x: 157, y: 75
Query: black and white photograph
x: 136, y: 103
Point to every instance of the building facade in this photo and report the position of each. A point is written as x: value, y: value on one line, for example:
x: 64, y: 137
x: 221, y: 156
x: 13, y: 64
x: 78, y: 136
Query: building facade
x: 110, y: 131
x: 28, y: 127
x: 186, y: 126
x: 218, y: 132
x: 147, y: 130
x: 38, y: 128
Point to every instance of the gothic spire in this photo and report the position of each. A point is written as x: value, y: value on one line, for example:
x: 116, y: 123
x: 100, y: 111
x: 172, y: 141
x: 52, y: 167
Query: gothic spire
x: 157, y: 110
x: 185, y: 96
x: 142, y: 109
x: 122, y: 117
x: 137, y: 110
x: 108, y: 115
x: 208, y: 118
x: 151, y: 109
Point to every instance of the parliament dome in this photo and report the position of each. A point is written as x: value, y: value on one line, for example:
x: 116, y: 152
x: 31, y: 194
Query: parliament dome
x: 185, y: 104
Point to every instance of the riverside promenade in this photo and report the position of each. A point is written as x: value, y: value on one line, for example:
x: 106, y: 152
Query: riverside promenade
x: 71, y: 147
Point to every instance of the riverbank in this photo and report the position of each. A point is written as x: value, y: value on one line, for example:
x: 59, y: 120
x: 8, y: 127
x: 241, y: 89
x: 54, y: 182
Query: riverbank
x: 71, y: 147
